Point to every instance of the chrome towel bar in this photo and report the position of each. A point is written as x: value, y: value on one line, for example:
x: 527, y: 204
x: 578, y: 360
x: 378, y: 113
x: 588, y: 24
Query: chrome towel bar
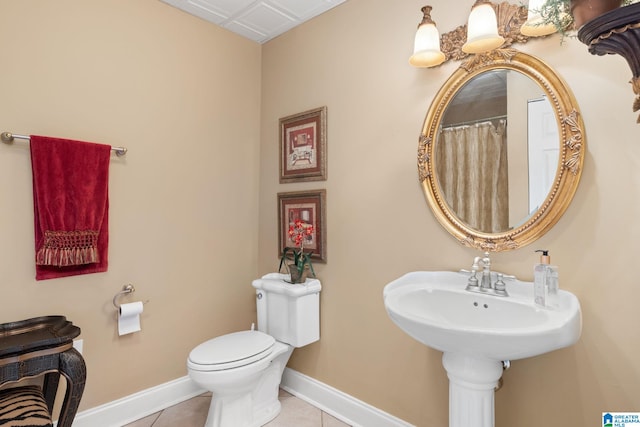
x: 8, y: 137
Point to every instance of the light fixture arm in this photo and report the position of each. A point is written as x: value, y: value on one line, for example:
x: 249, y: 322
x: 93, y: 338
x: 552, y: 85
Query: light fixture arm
x: 479, y: 2
x: 426, y: 16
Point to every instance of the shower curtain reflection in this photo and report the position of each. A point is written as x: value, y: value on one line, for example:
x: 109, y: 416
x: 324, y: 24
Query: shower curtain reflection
x: 472, y: 171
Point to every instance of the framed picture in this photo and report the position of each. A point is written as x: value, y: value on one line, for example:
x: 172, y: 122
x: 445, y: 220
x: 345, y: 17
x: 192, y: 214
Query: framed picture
x: 310, y: 208
x: 303, y: 146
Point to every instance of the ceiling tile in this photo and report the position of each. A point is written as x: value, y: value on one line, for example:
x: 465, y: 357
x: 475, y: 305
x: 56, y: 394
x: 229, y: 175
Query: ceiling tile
x: 250, y: 33
x: 228, y: 8
x: 301, y: 9
x: 257, y: 20
x: 266, y: 19
x: 204, y: 11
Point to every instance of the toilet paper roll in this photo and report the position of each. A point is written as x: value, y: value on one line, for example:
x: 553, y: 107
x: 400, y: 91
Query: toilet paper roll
x: 129, y: 317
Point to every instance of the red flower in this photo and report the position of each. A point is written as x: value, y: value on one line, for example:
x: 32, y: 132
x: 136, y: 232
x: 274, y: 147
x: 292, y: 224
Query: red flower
x: 299, y: 231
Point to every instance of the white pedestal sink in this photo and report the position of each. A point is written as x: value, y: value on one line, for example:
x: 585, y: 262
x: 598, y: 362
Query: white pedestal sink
x: 476, y: 332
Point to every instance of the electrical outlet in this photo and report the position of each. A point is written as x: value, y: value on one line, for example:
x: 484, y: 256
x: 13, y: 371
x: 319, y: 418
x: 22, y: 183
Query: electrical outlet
x: 77, y: 344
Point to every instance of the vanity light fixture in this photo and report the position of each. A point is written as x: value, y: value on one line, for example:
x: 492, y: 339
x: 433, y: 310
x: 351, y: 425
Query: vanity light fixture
x: 426, y: 47
x: 534, y: 26
x: 482, y: 29
x: 490, y: 26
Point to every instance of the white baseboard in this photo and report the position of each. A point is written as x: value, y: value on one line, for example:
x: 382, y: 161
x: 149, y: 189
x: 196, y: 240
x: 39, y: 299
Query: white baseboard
x: 146, y: 402
x: 344, y: 407
x: 138, y: 405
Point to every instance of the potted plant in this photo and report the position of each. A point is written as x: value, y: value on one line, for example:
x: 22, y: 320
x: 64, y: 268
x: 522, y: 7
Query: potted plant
x: 566, y: 15
x: 298, y: 260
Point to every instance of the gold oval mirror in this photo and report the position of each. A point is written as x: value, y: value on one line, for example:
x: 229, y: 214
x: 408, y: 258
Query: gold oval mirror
x: 501, y: 150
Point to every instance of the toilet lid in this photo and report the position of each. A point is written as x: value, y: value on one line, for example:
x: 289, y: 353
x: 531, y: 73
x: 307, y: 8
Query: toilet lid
x: 232, y: 350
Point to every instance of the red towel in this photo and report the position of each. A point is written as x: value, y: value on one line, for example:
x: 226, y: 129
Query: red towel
x: 71, y: 204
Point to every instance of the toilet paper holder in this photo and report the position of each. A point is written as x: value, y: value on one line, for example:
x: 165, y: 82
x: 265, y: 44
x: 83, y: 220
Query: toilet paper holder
x: 127, y: 289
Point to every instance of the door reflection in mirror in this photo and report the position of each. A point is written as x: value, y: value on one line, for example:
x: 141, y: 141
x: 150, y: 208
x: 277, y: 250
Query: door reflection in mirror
x: 543, y: 150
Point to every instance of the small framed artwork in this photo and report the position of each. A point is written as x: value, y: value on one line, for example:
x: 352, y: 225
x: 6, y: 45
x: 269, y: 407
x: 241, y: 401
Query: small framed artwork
x: 303, y: 146
x: 310, y: 208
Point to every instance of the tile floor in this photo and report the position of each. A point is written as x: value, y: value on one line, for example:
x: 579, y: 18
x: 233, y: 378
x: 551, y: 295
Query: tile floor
x: 193, y: 413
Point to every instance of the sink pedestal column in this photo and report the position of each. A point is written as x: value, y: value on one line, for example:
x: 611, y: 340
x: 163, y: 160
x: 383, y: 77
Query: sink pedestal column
x: 472, y: 382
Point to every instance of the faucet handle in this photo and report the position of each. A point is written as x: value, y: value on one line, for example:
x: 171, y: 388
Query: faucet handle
x: 500, y: 287
x: 472, y: 284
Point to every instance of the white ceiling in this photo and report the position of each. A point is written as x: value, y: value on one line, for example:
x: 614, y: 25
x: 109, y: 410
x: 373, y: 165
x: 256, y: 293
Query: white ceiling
x: 256, y: 20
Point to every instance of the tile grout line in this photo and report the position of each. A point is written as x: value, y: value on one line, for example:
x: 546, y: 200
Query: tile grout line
x: 157, y: 418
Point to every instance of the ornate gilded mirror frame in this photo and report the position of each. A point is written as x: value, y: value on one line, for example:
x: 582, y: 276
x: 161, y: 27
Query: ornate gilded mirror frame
x: 570, y: 163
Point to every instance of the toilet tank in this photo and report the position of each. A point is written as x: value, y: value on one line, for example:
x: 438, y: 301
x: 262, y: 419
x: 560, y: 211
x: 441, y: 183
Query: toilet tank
x: 289, y: 313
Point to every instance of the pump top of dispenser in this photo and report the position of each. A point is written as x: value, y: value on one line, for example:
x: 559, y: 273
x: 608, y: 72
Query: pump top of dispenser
x: 545, y: 258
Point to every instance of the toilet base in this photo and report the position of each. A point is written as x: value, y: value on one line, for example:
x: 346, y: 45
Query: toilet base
x: 259, y: 404
x: 239, y: 411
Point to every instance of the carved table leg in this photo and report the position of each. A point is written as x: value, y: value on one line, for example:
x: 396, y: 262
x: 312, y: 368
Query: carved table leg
x: 73, y: 368
x: 50, y: 388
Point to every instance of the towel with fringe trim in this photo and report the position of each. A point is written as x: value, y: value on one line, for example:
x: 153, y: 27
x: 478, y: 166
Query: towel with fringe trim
x: 71, y: 203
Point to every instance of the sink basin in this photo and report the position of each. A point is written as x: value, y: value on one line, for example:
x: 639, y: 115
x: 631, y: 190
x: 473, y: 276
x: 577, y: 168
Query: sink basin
x: 477, y: 332
x: 434, y: 308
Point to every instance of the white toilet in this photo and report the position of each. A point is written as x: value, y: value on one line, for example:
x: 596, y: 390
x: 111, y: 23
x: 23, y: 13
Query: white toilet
x: 243, y: 369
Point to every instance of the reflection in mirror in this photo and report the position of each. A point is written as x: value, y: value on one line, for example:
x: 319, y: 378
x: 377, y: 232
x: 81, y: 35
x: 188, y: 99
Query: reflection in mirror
x: 543, y: 150
x: 501, y: 151
x: 481, y: 155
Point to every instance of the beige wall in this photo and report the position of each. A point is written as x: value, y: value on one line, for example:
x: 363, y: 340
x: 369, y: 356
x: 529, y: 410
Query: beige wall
x: 353, y: 59
x: 184, y: 97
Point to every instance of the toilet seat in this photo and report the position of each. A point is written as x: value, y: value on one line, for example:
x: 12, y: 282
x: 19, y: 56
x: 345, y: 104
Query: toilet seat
x: 231, y: 351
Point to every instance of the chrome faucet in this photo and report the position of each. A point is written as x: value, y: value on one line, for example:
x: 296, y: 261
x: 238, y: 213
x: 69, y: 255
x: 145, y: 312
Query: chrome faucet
x: 485, y: 285
x: 486, y: 270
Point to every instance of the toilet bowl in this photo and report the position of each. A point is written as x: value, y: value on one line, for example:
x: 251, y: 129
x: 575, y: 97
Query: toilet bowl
x: 243, y: 370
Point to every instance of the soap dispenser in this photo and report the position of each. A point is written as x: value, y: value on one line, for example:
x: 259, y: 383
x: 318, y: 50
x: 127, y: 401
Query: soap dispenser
x: 540, y: 279
x: 552, y: 285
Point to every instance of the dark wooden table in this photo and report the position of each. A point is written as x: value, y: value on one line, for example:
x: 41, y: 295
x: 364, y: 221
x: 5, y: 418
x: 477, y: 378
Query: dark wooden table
x: 44, y: 345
